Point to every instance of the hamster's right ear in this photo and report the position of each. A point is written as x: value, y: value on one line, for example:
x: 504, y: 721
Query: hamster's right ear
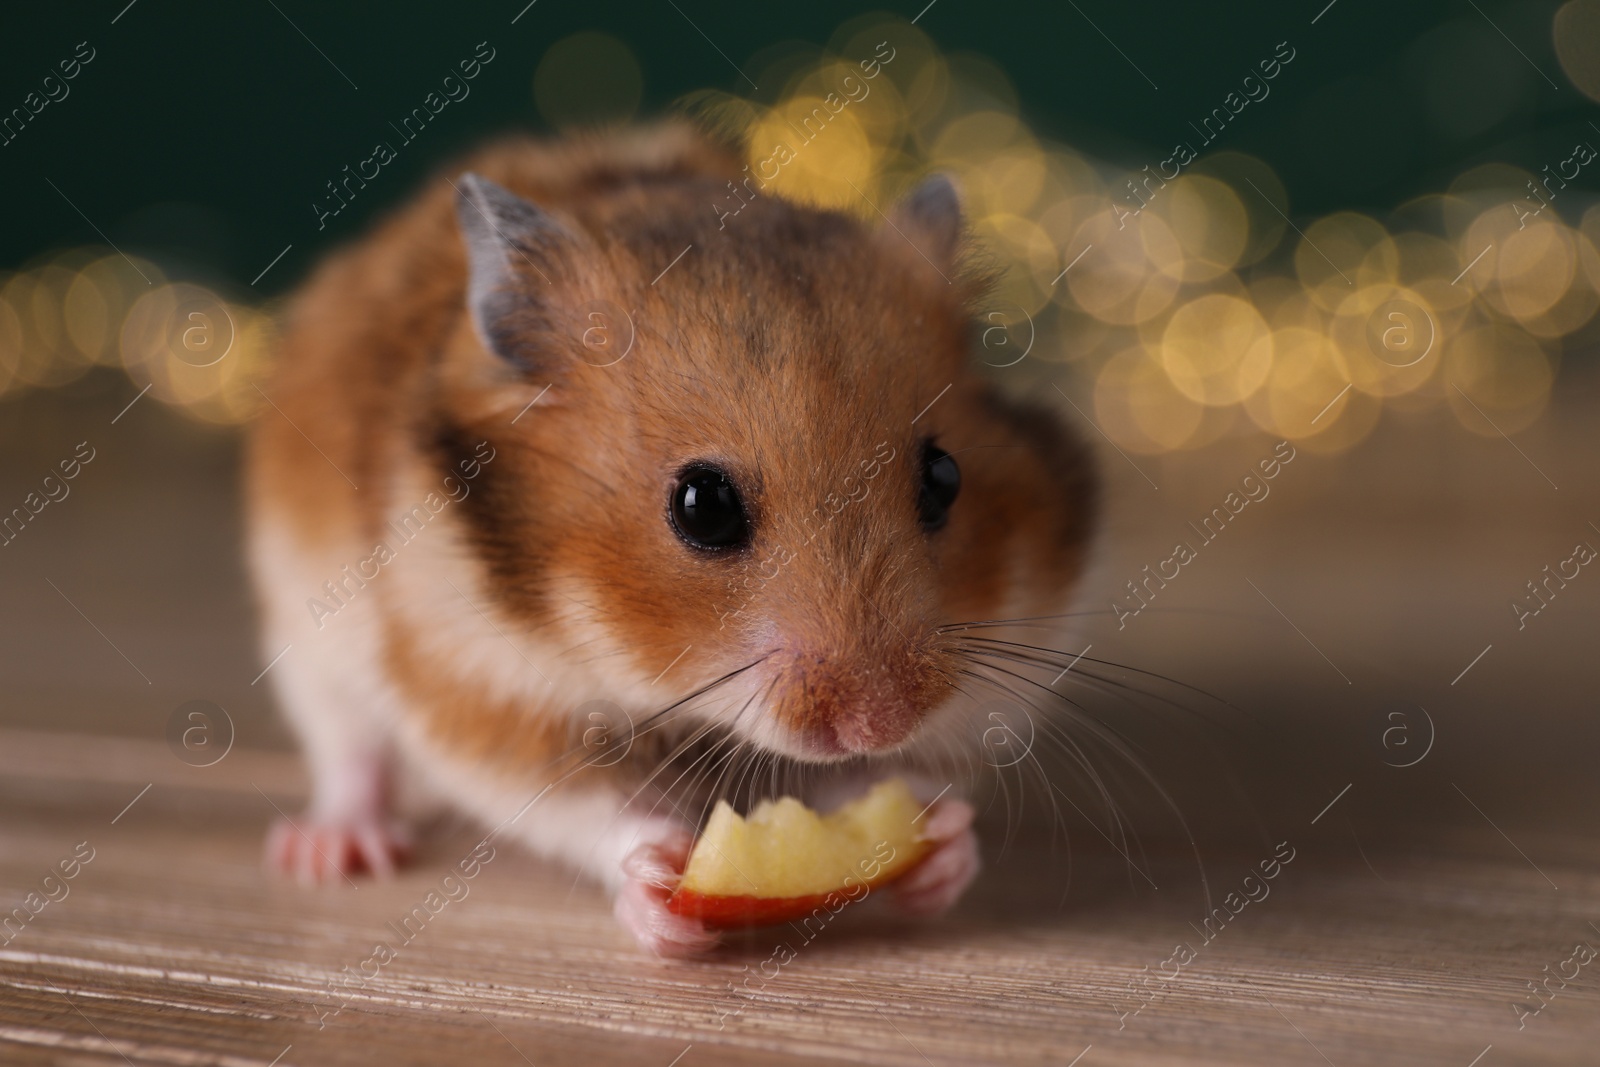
x: 514, y: 248
x: 930, y: 218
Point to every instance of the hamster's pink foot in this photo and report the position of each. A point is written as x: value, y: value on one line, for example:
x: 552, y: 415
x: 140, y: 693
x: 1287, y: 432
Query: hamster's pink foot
x: 652, y: 871
x: 320, y: 851
x: 936, y: 883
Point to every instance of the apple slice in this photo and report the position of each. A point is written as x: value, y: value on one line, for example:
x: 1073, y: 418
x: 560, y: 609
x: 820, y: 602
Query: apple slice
x: 783, y: 860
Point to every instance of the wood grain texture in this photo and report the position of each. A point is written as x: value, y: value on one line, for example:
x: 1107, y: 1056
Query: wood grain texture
x: 173, y: 948
x: 1416, y: 909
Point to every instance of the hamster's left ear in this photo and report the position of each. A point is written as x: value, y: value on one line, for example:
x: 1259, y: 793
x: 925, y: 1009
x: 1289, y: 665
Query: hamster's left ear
x: 930, y: 218
x: 516, y: 254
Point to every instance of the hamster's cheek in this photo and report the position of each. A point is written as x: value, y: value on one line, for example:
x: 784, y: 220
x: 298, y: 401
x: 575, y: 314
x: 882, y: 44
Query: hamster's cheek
x: 975, y: 574
x: 641, y: 602
x: 1015, y: 542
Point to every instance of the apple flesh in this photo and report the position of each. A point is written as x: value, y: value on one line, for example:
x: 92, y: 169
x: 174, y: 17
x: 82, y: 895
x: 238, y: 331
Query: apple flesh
x: 784, y: 861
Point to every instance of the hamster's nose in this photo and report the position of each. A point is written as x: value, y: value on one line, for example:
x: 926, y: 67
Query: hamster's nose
x: 869, y: 726
x: 841, y: 705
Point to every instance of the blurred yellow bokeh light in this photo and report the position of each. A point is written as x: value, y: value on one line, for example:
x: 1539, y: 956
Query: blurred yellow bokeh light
x: 1217, y: 349
x: 1191, y: 301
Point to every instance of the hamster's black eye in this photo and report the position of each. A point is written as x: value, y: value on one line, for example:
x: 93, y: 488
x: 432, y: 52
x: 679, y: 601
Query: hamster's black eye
x: 941, y: 481
x: 707, y: 511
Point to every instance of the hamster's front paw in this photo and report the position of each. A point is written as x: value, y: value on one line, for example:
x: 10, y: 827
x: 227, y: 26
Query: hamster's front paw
x: 936, y: 883
x: 651, y: 871
x: 318, y: 851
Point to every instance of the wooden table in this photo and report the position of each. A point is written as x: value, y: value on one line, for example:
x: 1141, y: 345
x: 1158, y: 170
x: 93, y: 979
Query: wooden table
x: 1419, y: 903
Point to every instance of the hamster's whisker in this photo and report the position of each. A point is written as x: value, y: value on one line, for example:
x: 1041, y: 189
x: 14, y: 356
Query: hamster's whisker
x: 671, y: 759
x: 1014, y: 823
x: 721, y: 763
x: 1121, y: 747
x: 749, y: 767
x: 726, y: 733
x: 1120, y: 690
x: 1029, y: 622
x: 775, y: 768
x: 952, y: 759
x: 656, y: 721
x: 716, y: 789
x: 751, y: 756
x: 1123, y: 831
x: 1068, y: 745
x: 960, y: 757
x: 1077, y: 713
x: 1057, y: 657
x: 981, y: 624
x: 662, y: 764
x: 703, y: 690
x: 1115, y: 688
x: 733, y: 773
x: 1167, y: 799
x: 708, y: 762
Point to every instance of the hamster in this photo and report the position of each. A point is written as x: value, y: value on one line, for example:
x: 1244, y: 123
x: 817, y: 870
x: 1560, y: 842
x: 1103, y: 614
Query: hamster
x: 567, y: 433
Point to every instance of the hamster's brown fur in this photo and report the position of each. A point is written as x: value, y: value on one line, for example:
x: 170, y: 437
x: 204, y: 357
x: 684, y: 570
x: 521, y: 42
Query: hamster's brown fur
x: 794, y: 348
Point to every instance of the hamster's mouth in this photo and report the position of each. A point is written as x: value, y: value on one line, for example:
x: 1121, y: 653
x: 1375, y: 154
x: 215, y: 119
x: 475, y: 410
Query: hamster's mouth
x: 832, y: 737
x: 823, y: 745
x: 860, y: 731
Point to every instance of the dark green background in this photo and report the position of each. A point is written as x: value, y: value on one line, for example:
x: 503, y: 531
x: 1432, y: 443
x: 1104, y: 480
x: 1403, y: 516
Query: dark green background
x: 201, y: 133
